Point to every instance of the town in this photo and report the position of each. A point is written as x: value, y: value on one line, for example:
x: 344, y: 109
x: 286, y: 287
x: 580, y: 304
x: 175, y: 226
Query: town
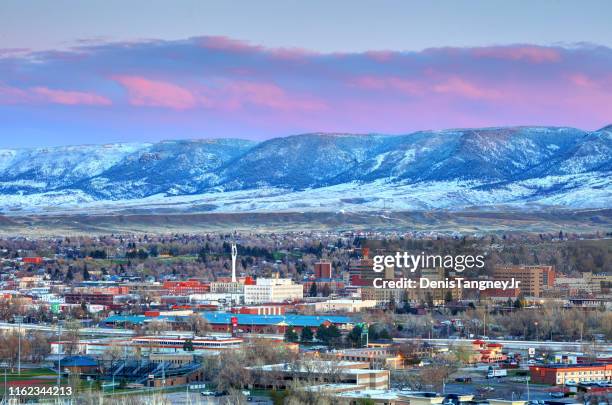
x: 274, y: 317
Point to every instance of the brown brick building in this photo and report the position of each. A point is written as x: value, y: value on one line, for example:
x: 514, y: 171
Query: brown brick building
x: 533, y: 279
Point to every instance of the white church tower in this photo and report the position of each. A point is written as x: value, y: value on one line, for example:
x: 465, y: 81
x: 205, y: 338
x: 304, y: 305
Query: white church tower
x: 234, y: 255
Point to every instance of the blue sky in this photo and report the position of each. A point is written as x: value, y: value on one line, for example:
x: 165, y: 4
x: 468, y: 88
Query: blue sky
x: 109, y: 71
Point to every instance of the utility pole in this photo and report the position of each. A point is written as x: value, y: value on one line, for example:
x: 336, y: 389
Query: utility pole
x: 19, y: 320
x: 528, y: 394
x: 484, y: 327
x: 59, y: 357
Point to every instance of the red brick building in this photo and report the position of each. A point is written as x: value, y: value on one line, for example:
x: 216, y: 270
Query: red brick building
x: 323, y: 269
x: 94, y: 299
x: 186, y: 287
x: 33, y: 260
x: 559, y: 374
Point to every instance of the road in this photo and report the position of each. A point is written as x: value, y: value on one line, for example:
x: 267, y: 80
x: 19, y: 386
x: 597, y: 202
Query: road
x: 518, y: 344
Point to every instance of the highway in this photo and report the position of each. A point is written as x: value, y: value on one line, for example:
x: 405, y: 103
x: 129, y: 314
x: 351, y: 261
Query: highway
x: 603, y: 348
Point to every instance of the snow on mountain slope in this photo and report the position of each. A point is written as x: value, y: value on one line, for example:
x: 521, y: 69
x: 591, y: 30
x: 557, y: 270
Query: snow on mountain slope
x: 43, y: 169
x: 172, y: 167
x: 451, y: 169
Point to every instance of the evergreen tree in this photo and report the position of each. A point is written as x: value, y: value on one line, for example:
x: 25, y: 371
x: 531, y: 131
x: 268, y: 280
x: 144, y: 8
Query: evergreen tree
x: 518, y: 304
x: 354, y: 336
x: 291, y: 335
x: 313, y: 290
x: 384, y: 334
x: 448, y: 297
x: 307, y: 335
x: 329, y: 335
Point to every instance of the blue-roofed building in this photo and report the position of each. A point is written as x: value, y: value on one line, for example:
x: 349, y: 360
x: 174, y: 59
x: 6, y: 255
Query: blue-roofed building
x: 77, y: 365
x: 222, y: 321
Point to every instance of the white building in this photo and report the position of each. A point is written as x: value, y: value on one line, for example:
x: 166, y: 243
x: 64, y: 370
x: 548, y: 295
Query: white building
x: 344, y: 305
x: 272, y: 290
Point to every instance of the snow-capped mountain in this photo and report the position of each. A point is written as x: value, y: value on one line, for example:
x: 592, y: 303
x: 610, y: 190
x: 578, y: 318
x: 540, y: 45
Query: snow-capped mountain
x: 451, y: 169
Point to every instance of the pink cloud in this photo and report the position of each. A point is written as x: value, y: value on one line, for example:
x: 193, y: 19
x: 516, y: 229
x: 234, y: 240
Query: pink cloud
x: 534, y: 54
x: 465, y: 88
x: 70, y: 97
x: 155, y: 93
x: 267, y: 95
x: 582, y: 80
x: 436, y: 83
x: 41, y: 95
x: 12, y: 95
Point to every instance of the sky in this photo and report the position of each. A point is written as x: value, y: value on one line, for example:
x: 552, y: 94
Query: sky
x: 75, y: 72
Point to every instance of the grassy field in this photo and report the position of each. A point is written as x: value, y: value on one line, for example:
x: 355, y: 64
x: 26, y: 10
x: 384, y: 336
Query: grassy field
x: 579, y: 221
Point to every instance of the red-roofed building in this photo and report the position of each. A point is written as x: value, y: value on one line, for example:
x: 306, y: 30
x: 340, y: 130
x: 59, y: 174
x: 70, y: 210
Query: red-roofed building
x: 484, y: 352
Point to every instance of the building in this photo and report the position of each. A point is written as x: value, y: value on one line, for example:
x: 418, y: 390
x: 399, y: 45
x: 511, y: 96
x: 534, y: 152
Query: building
x: 273, y: 324
x: 387, y: 397
x: 599, y: 283
x: 246, y: 323
x: 343, y: 305
x: 560, y: 374
x: 486, y: 352
x: 501, y: 295
x: 77, y: 365
x: 94, y: 299
x: 356, y: 374
x: 377, y: 357
x: 226, y: 287
x: 324, y: 286
x: 32, y: 260
x: 533, y: 279
x: 437, y: 294
x: 186, y: 287
x: 383, y: 296
x: 268, y: 290
x: 323, y: 269
x: 170, y: 344
x: 361, y: 273
x: 260, y: 310
x: 161, y: 344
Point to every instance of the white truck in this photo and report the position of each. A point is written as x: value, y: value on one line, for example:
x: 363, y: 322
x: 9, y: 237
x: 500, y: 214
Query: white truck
x: 496, y: 372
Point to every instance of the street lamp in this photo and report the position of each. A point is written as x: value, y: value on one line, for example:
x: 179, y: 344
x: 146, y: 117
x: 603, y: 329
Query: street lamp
x: 59, y: 355
x: 537, y: 334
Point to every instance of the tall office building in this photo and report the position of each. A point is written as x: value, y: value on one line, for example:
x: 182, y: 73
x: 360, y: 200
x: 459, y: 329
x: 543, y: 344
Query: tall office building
x: 362, y: 272
x: 533, y: 279
x: 323, y: 269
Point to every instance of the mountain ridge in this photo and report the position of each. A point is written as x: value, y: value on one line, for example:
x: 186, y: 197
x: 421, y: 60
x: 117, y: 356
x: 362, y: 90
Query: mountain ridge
x: 447, y: 169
